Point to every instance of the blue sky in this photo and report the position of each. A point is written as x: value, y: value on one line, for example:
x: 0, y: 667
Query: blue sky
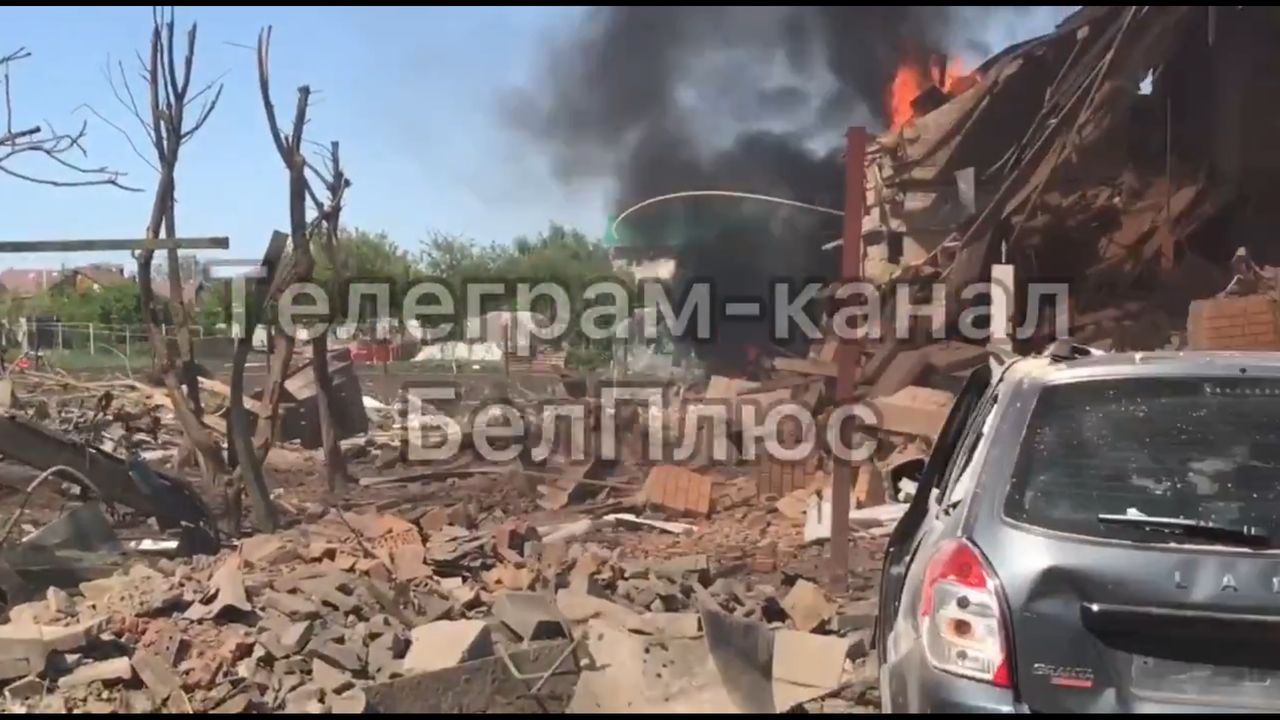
x: 411, y: 93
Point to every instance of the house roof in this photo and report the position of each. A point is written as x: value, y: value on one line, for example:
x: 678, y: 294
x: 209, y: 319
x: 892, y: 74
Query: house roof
x: 25, y: 282
x: 104, y: 275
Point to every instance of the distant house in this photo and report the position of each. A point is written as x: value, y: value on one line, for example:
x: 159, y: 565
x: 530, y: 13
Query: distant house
x: 23, y: 283
x: 92, y: 278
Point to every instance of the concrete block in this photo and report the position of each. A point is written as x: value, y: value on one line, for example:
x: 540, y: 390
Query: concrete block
x: 156, y: 674
x: 533, y: 616
x: 806, y: 659
x: 913, y: 410
x: 295, y: 637
x: 445, y: 643
x: 294, y: 607
x: 103, y: 671
x: 808, y: 606
x: 330, y: 678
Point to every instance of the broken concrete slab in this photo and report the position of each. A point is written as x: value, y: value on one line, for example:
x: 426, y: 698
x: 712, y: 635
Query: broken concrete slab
x: 445, y: 643
x: 305, y: 699
x: 294, y: 607
x: 60, y: 602
x: 484, y: 685
x: 854, y: 615
x: 102, y: 671
x: 682, y: 626
x: 807, y: 659
x: 913, y: 410
x: 344, y: 656
x: 677, y: 568
x: 633, y: 673
x: 351, y: 702
x: 24, y: 690
x: 226, y: 592
x: 332, y: 590
x: 295, y: 637
x: 24, y: 649
x: 156, y: 674
x: 533, y: 616
x: 808, y: 606
x: 805, y: 666
x: 329, y: 677
x: 385, y: 655
x: 580, y: 607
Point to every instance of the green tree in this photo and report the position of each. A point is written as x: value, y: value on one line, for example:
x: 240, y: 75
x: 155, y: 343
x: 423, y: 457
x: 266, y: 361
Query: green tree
x: 367, y: 256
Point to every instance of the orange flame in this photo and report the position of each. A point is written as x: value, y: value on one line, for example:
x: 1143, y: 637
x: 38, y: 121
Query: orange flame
x: 910, y: 80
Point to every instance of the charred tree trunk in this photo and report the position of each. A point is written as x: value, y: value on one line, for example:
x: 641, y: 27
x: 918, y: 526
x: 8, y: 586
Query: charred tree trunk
x: 281, y: 355
x: 336, y: 183
x: 289, y: 148
x: 169, y: 97
x: 335, y: 465
x: 249, y: 466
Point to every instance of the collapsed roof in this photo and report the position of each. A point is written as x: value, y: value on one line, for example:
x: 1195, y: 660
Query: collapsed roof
x: 1128, y: 153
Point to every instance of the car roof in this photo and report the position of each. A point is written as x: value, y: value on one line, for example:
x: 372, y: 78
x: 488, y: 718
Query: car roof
x: 1043, y: 370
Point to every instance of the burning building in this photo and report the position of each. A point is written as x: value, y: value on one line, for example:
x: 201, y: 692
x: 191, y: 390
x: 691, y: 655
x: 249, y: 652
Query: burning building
x: 1126, y: 154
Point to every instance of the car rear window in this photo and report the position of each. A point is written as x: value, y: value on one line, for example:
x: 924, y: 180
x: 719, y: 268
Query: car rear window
x: 1196, y: 448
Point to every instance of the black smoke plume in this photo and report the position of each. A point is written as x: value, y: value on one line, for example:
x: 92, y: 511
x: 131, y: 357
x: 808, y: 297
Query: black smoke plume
x: 661, y: 100
x: 665, y: 99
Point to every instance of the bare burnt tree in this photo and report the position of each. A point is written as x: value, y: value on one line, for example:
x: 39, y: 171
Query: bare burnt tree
x: 36, y: 142
x: 328, y: 224
x: 173, y: 115
x: 300, y: 263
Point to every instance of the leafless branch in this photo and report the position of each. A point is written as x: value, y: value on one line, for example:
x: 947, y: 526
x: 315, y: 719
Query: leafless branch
x: 127, y: 137
x: 131, y: 104
x: 47, y: 141
x: 11, y: 138
x: 264, y: 85
x: 205, y: 111
x: 212, y: 84
x: 113, y: 181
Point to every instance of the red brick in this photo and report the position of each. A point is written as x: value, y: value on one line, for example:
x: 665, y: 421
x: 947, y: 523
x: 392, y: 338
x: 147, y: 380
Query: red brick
x: 679, y: 491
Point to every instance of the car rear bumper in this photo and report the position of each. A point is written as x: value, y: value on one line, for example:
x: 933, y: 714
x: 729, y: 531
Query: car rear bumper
x: 910, y: 684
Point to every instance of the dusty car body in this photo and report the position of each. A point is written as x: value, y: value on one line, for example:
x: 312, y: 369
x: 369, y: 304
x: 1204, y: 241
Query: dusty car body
x: 1093, y: 534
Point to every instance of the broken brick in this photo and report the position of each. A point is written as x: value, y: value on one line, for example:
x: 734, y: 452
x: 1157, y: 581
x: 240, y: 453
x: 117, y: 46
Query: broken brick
x: 434, y: 521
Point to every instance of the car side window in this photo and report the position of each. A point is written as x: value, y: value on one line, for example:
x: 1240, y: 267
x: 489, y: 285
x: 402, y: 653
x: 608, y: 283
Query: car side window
x: 951, y: 437
x: 951, y: 487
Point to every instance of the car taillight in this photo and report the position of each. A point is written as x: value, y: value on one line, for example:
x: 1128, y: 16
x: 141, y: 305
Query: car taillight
x: 960, y: 616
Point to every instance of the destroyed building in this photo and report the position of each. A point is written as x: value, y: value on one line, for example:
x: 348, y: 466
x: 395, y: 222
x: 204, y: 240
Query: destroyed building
x: 1124, y: 154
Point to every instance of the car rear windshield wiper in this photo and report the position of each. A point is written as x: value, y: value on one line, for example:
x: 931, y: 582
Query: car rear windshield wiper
x: 1247, y: 535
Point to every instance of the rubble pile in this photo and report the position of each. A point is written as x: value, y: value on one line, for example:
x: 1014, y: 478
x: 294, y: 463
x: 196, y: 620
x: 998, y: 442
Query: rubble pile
x: 355, y: 610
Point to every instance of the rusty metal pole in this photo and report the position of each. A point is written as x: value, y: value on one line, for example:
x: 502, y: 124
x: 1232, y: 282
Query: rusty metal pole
x: 848, y: 358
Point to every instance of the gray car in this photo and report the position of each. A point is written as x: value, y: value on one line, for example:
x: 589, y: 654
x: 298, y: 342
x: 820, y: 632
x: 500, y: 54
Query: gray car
x: 1093, y: 533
